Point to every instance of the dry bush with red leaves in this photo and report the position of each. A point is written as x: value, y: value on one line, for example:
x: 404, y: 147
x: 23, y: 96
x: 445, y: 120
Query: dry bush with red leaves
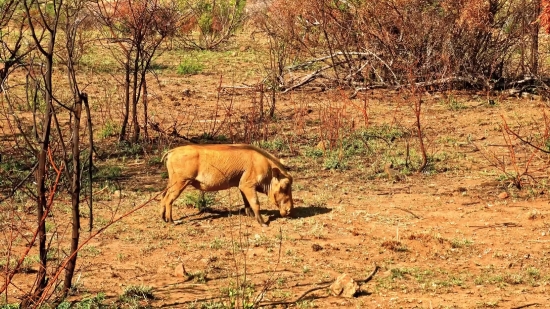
x: 545, y: 15
x: 379, y: 43
x: 210, y: 24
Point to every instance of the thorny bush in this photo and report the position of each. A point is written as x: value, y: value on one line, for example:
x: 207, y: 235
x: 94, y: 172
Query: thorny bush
x: 378, y: 42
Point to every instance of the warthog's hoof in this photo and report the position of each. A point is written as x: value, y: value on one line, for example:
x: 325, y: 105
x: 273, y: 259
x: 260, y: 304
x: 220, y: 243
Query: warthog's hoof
x: 249, y: 212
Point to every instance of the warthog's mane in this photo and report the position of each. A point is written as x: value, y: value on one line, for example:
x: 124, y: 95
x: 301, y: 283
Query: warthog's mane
x: 266, y: 154
x: 273, y: 160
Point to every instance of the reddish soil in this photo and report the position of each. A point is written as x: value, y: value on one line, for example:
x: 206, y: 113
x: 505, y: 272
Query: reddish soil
x: 446, y: 238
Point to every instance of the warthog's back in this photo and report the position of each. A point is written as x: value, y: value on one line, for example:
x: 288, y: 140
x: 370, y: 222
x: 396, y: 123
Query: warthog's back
x: 217, y: 167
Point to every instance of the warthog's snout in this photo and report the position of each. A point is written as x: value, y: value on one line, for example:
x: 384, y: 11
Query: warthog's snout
x: 284, y: 212
x: 285, y: 208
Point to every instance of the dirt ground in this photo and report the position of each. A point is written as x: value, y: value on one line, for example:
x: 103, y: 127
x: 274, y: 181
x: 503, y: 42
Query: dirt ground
x: 457, y: 235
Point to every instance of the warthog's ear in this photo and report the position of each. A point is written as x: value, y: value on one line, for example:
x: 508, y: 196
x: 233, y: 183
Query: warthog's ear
x: 276, y: 172
x: 284, y: 183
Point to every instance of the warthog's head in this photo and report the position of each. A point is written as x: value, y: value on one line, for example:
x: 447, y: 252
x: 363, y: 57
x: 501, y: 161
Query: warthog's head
x: 281, y: 192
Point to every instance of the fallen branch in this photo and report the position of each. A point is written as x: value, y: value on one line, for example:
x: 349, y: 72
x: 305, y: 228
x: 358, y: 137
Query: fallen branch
x: 308, y: 78
x: 324, y: 286
x: 525, y: 306
x: 358, y: 89
x: 323, y: 58
x: 524, y: 84
x: 406, y: 210
x: 470, y: 203
x: 437, y: 82
x: 523, y: 140
x: 472, y: 81
x: 505, y: 224
x: 443, y: 81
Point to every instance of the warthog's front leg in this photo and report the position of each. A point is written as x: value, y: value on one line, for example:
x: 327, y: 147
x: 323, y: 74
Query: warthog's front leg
x: 172, y: 192
x: 247, y: 208
x: 250, y: 198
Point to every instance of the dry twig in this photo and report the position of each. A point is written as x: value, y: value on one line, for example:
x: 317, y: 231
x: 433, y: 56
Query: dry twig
x: 525, y: 306
x: 505, y: 224
x: 406, y: 210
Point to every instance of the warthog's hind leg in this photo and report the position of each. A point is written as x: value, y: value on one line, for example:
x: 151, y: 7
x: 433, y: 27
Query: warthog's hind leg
x: 251, y: 197
x: 174, y: 190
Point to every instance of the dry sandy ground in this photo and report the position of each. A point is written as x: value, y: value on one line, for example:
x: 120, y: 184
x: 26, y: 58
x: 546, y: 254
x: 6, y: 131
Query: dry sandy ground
x: 444, y: 239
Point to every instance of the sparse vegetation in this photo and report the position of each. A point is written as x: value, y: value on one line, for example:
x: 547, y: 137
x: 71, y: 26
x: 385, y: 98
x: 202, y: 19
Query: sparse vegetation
x: 136, y: 296
x: 108, y: 172
x: 97, y: 301
x: 454, y: 104
x: 109, y: 129
x: 190, y: 67
x: 200, y: 200
x: 335, y: 162
x: 460, y: 242
x: 406, y: 151
x: 275, y: 145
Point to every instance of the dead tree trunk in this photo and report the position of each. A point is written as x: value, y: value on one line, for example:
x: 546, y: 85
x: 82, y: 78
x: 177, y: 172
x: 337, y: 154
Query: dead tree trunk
x: 126, y: 113
x: 90, y: 163
x: 44, y: 39
x: 135, y: 97
x: 75, y: 194
x: 40, y: 283
x: 535, y: 28
x: 145, y: 104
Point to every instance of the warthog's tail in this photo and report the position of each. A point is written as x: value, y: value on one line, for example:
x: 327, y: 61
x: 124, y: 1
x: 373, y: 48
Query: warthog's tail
x: 165, y: 156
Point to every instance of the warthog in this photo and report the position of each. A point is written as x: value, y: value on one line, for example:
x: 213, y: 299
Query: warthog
x: 219, y: 167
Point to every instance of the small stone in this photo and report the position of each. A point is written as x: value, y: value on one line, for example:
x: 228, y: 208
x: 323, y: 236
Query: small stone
x: 503, y: 195
x: 344, y: 286
x: 316, y: 247
x: 180, y: 271
x: 117, y: 194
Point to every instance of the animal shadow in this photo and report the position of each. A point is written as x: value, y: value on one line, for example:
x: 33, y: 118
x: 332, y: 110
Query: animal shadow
x: 271, y: 214
x: 309, y: 211
x: 216, y: 213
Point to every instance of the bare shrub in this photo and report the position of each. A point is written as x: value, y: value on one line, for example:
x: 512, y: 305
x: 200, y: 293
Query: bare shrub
x: 210, y: 24
x: 370, y: 44
x: 523, y: 161
x: 133, y: 32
